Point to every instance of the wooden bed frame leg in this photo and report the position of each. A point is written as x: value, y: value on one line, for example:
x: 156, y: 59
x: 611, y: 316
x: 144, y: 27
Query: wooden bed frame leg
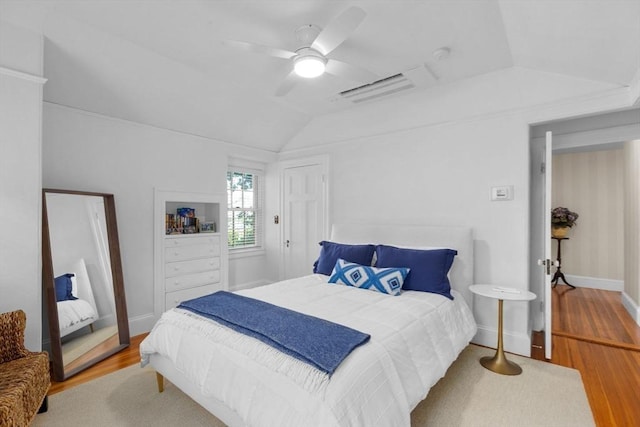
x: 160, y: 380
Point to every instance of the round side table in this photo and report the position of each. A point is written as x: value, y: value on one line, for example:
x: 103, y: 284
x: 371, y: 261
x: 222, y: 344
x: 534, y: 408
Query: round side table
x: 499, y: 363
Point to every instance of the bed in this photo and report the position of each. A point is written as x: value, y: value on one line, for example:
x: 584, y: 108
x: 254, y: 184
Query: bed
x: 414, y: 339
x: 74, y: 299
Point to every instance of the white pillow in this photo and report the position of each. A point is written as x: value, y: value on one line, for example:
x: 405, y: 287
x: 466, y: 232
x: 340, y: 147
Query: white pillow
x: 74, y: 285
x: 83, y: 284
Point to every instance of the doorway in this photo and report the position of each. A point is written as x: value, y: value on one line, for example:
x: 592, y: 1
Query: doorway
x: 587, y: 157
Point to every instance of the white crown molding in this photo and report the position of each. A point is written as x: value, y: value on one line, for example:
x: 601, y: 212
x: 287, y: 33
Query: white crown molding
x: 22, y: 75
x: 578, y: 106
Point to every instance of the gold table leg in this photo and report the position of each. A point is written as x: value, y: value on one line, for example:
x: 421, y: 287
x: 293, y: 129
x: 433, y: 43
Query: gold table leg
x: 499, y: 363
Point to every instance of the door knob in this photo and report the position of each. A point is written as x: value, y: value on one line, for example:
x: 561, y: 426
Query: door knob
x: 547, y: 263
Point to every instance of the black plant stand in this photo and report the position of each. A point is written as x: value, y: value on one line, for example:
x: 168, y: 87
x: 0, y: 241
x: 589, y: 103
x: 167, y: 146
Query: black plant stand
x: 559, y: 275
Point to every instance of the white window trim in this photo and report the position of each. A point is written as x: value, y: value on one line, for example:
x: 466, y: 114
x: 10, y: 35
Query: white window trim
x: 259, y: 250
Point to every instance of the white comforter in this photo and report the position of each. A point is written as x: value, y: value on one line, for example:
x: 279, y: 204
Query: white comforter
x: 414, y: 339
x: 72, y: 313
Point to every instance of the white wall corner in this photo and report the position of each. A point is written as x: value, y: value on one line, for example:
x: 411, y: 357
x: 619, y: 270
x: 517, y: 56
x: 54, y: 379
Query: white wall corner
x: 634, y: 90
x: 141, y: 324
x: 632, y: 308
x: 514, y: 342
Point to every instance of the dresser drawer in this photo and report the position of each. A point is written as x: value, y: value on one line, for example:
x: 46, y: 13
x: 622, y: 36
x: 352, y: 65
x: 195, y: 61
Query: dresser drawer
x: 183, y: 253
x: 179, y: 268
x: 172, y: 299
x: 197, y: 239
x: 191, y: 280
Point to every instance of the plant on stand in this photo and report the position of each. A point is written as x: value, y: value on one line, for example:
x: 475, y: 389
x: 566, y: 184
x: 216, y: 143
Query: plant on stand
x: 562, y: 219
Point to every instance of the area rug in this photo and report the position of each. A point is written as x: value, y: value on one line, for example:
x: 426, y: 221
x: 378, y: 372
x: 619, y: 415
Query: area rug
x: 468, y: 395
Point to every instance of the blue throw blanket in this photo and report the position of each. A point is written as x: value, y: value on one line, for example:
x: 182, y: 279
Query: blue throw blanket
x: 315, y: 341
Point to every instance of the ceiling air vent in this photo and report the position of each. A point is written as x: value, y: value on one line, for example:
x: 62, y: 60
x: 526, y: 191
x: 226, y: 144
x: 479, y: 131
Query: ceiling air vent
x: 378, y: 89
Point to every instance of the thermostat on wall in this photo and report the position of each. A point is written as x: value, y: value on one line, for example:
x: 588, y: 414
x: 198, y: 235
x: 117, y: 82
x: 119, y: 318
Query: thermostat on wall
x: 504, y: 192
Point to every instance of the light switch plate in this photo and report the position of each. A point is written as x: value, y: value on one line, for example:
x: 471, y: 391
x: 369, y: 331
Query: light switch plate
x: 501, y: 193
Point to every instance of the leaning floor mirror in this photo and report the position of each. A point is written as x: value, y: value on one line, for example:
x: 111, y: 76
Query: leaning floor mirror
x: 82, y: 280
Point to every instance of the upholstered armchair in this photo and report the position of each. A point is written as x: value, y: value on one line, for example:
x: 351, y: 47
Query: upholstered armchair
x: 24, y: 375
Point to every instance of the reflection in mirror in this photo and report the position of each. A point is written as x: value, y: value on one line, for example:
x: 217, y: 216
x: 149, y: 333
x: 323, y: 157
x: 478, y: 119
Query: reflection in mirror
x: 82, y: 277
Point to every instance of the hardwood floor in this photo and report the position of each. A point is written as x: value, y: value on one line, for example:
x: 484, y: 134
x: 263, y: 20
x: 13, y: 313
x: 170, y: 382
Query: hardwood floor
x: 593, y: 315
x: 127, y: 357
x: 591, y: 333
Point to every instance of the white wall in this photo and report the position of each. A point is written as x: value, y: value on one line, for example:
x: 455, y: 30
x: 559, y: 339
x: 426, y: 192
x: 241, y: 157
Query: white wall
x: 85, y: 151
x: 434, y: 158
x: 442, y: 175
x: 20, y: 179
x: 591, y: 184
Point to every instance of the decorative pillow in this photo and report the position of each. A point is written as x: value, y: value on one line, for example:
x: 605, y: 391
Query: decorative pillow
x: 385, y: 280
x: 429, y: 268
x: 64, y: 287
x: 331, y: 251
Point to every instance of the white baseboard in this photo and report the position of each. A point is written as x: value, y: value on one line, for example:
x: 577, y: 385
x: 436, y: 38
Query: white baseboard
x: 513, y: 342
x: 249, y: 285
x: 631, y: 307
x: 141, y: 324
x: 595, y: 283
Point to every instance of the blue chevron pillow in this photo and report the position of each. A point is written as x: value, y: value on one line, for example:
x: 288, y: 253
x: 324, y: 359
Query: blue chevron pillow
x: 385, y: 280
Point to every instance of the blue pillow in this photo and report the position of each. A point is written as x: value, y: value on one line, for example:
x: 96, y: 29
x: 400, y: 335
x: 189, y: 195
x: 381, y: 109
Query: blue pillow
x: 63, y: 287
x: 429, y: 268
x: 331, y: 251
x: 385, y: 280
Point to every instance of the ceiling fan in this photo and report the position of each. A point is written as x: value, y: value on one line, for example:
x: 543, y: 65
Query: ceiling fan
x: 310, y: 59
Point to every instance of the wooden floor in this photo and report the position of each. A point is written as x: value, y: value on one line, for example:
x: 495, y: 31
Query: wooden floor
x: 591, y: 333
x: 127, y: 357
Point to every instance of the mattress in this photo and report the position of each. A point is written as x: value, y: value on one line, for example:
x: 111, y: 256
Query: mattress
x: 414, y: 339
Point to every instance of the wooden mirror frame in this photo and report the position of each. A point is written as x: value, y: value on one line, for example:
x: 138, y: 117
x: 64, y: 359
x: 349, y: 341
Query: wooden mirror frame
x: 49, y: 295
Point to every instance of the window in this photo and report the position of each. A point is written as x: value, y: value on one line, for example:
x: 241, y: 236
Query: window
x: 244, y: 215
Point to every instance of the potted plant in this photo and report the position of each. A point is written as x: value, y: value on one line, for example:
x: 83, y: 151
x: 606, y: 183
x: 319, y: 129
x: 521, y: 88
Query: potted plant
x: 562, y: 219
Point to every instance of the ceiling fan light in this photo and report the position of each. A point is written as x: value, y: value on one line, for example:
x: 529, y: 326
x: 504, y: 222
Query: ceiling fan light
x: 309, y: 66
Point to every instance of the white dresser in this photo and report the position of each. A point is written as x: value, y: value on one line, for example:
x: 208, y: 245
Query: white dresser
x: 188, y: 266
x: 191, y: 267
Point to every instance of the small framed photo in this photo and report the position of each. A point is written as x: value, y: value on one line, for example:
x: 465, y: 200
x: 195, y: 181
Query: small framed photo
x: 207, y: 227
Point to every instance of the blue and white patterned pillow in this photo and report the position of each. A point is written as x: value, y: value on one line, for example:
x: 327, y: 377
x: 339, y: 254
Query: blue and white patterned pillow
x: 385, y: 280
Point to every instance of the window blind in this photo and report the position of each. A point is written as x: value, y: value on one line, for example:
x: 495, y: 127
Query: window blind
x: 244, y: 208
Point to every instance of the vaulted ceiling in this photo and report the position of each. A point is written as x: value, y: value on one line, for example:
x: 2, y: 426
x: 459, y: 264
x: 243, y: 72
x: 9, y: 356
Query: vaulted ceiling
x: 165, y: 63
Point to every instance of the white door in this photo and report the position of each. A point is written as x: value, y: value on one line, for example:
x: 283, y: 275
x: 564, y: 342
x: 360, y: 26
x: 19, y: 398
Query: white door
x: 304, y: 217
x: 547, y: 244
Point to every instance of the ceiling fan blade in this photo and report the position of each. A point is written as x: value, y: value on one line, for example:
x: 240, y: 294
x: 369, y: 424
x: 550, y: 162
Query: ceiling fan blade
x: 338, y: 30
x: 258, y: 48
x: 287, y: 84
x: 349, y: 71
